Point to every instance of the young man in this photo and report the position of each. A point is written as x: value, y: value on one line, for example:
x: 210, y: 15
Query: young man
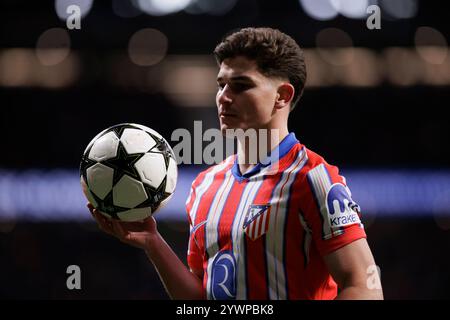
x: 286, y: 228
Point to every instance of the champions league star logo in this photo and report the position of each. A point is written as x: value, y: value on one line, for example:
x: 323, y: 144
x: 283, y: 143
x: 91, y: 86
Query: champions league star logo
x: 223, y: 279
x: 342, y: 210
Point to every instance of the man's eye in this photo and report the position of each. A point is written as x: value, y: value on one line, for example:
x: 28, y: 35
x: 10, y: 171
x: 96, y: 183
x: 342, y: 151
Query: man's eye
x: 239, y: 87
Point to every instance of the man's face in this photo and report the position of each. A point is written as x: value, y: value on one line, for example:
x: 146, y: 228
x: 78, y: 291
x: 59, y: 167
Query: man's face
x: 245, y: 97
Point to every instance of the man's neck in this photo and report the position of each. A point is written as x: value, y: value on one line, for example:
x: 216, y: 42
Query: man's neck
x: 253, y: 150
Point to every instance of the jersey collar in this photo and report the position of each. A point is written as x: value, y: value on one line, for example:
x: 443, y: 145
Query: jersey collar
x: 279, y: 152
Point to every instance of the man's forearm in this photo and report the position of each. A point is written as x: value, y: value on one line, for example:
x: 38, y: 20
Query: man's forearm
x: 179, y: 282
x: 358, y: 293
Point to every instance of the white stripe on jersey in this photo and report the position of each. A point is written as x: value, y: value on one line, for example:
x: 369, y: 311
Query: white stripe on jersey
x: 204, y: 185
x: 214, y: 214
x: 321, y: 183
x: 255, y: 226
x: 238, y: 236
x: 200, y: 190
x: 307, y: 239
x: 189, y: 196
x: 212, y: 222
x: 275, y: 235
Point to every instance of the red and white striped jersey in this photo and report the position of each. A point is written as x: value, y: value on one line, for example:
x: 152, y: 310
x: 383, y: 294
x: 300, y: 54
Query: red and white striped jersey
x: 263, y: 234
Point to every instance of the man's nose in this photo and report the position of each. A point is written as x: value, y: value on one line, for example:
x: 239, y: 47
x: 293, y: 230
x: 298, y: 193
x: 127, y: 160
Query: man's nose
x: 224, y: 96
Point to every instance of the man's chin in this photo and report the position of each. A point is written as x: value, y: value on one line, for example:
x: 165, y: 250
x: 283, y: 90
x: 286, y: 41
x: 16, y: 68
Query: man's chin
x: 227, y: 130
x: 224, y: 129
x: 231, y: 131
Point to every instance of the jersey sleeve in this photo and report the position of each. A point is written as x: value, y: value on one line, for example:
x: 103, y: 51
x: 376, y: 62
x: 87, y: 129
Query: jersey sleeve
x: 331, y: 213
x: 194, y: 256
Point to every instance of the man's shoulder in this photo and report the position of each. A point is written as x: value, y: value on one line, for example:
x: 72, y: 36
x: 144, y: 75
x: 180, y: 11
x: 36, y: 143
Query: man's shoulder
x: 313, y: 162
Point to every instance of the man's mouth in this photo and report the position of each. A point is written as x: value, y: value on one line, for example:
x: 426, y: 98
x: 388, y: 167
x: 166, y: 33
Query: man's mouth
x: 226, y: 115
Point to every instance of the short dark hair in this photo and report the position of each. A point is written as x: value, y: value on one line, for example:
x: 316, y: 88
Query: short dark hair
x: 276, y: 54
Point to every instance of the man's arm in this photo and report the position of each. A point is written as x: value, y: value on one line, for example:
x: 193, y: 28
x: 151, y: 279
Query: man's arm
x: 350, y: 267
x: 179, y: 282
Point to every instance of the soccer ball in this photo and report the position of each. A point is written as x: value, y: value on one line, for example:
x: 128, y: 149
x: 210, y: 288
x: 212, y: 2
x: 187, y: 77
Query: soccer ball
x: 128, y: 171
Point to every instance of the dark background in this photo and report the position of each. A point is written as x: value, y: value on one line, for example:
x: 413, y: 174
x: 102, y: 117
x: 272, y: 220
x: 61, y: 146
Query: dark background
x: 363, y: 128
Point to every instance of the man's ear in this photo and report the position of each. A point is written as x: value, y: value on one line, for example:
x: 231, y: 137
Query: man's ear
x: 285, y: 94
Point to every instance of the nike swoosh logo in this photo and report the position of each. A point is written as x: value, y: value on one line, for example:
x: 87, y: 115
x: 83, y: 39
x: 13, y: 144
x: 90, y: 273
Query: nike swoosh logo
x: 198, y: 225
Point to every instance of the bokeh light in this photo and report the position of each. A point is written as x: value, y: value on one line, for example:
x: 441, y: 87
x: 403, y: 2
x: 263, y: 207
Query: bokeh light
x: 53, y: 46
x: 335, y: 46
x: 147, y: 47
x: 399, y: 9
x: 216, y: 8
x: 354, y: 9
x: 162, y: 7
x: 319, y: 9
x: 431, y: 45
x: 126, y: 9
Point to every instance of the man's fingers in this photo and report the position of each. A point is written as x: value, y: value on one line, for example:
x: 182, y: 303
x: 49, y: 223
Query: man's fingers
x: 90, y: 206
x: 124, y: 234
x: 119, y: 229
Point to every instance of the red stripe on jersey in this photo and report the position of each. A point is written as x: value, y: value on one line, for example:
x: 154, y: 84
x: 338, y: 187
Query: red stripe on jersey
x: 255, y: 250
x: 294, y: 257
x: 257, y: 285
x: 226, y: 220
x: 204, y: 207
x: 318, y: 285
x: 202, y: 215
x: 197, y: 243
x: 200, y: 178
x: 300, y: 287
x: 292, y: 228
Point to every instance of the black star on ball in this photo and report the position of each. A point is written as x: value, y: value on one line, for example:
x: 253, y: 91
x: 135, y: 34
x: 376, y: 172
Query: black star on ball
x: 123, y: 163
x: 120, y: 128
x: 85, y: 164
x: 162, y: 147
x: 155, y: 196
x: 107, y: 205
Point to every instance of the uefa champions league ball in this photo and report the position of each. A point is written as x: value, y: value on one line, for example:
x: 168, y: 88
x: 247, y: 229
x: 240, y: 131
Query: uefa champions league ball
x: 128, y: 172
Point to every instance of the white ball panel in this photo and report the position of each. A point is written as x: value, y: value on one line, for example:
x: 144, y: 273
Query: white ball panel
x: 163, y: 203
x: 128, y: 192
x: 100, y: 179
x: 105, y: 147
x: 136, y: 141
x: 93, y: 140
x: 172, y: 175
x: 147, y: 129
x: 88, y: 193
x: 151, y: 168
x: 136, y: 214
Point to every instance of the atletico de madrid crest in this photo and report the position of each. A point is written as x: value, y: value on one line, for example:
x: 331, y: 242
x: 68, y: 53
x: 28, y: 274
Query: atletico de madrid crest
x: 257, y: 220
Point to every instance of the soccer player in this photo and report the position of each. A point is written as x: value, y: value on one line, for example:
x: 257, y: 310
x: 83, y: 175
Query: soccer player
x: 283, y: 228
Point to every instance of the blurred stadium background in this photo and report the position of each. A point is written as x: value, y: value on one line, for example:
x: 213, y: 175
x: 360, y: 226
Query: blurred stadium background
x: 375, y: 105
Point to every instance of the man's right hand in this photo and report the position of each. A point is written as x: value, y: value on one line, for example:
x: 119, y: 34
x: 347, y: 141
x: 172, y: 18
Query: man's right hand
x: 139, y: 234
